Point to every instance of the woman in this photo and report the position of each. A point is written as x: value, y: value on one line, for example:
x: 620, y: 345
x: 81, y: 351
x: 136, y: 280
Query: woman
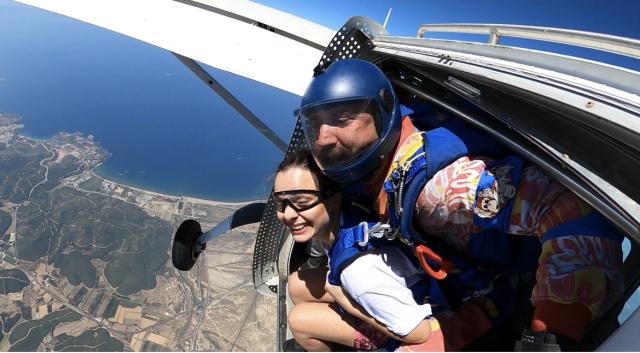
x: 309, y: 205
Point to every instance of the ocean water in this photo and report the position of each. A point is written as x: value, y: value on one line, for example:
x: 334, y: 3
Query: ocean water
x: 165, y: 129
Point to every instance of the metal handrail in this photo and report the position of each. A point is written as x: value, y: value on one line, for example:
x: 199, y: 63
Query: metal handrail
x: 604, y: 42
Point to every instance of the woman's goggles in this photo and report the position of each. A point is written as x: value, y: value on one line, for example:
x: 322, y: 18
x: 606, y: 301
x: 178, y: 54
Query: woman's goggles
x: 299, y: 200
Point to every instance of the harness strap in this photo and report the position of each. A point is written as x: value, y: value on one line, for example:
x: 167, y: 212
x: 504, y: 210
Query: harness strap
x: 592, y: 224
x: 352, y: 243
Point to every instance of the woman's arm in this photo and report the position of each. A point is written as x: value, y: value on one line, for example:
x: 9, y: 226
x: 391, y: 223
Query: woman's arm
x: 307, y: 285
x: 419, y: 334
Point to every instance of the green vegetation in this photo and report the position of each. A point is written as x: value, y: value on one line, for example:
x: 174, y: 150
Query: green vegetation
x: 97, y: 340
x: 12, y: 281
x: 127, y: 303
x: 7, y: 323
x: 147, y: 260
x: 73, y: 227
x: 27, y: 336
x: 76, y: 267
x: 57, y: 171
x: 20, y: 169
x: 92, y: 184
x: 5, y: 222
x: 93, y: 226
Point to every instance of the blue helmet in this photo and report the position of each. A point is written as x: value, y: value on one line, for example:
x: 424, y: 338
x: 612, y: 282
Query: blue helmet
x: 351, y: 119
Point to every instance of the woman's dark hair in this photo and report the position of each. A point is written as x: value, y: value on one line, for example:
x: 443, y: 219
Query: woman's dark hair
x: 304, y: 159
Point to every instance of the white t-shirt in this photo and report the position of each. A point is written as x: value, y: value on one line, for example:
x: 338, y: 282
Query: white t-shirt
x: 379, y: 282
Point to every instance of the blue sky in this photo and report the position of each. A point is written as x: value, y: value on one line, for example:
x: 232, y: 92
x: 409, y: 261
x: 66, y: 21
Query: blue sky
x: 618, y: 17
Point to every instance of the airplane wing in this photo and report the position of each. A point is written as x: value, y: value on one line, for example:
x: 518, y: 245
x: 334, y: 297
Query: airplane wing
x: 238, y: 36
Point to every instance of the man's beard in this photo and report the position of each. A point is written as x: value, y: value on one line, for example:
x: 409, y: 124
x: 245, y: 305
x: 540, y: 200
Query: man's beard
x: 333, y: 156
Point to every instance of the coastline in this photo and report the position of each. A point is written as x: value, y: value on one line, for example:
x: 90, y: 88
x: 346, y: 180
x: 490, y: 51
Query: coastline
x: 103, y: 171
x: 95, y: 171
x: 97, y: 167
x: 182, y: 197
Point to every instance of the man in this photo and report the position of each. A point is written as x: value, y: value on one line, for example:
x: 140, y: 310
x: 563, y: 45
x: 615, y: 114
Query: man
x: 438, y: 189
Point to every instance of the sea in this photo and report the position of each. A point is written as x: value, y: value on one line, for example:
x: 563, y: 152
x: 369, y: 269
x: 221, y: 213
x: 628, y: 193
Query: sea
x: 165, y: 129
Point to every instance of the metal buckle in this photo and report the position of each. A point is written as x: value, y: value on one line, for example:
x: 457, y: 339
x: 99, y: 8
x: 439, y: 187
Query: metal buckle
x: 365, y: 231
x: 378, y: 230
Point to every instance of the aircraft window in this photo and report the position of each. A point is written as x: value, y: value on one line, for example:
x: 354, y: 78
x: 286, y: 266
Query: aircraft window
x: 634, y: 300
x: 626, y: 248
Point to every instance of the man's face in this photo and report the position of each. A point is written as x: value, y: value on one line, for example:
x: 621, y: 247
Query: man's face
x: 339, y: 134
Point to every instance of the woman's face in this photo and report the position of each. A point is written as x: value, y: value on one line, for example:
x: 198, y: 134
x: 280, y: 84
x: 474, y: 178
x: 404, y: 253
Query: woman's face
x: 308, y: 223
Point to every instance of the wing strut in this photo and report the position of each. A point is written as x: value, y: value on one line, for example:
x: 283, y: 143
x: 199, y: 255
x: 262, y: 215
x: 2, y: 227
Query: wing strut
x: 232, y: 101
